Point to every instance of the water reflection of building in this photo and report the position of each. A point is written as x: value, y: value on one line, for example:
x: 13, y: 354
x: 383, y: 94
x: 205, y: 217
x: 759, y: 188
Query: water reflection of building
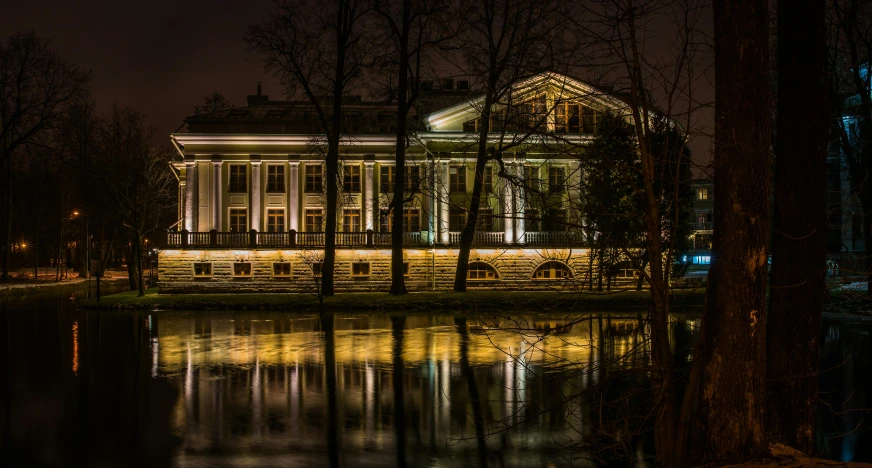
x: 258, y: 386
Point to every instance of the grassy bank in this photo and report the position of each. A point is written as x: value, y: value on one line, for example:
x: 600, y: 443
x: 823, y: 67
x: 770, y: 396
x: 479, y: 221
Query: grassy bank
x: 544, y: 301
x: 21, y: 288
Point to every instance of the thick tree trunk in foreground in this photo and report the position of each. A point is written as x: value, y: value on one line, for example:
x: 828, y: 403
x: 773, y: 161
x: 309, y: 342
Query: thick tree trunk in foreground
x: 799, y: 233
x: 732, y: 392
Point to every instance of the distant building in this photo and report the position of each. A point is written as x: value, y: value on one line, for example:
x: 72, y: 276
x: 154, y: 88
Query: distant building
x: 252, y: 205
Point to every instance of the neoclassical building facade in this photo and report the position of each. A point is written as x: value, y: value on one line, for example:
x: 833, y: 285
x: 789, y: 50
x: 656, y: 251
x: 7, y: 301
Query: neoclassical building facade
x: 252, y: 204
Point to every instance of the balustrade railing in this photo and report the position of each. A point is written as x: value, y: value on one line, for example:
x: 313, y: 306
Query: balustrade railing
x: 293, y: 239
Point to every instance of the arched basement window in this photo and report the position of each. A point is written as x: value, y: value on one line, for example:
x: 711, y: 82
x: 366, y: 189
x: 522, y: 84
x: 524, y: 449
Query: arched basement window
x: 481, y: 271
x: 552, y: 271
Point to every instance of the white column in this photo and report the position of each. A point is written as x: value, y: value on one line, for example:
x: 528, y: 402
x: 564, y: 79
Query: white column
x: 191, y: 203
x: 509, y: 211
x: 368, y: 195
x: 444, y: 202
x: 294, y: 196
x: 520, y: 229
x: 217, y: 187
x: 255, y: 196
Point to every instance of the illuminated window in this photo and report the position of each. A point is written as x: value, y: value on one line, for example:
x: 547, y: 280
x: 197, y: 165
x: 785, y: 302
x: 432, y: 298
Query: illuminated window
x: 314, y: 220
x: 387, y: 179
x: 282, y: 269
x: 238, y: 179
x: 351, y: 221
x: 202, y: 270
x: 238, y: 220
x: 589, y: 120
x: 275, y: 220
x: 625, y: 270
x: 556, y: 179
x: 568, y: 117
x: 314, y: 178
x: 412, y: 220
x: 552, y: 271
x: 241, y: 269
x: 316, y: 269
x: 702, y: 259
x: 275, y: 178
x: 457, y: 179
x: 351, y: 179
x: 359, y: 269
x: 702, y: 194
x: 480, y: 271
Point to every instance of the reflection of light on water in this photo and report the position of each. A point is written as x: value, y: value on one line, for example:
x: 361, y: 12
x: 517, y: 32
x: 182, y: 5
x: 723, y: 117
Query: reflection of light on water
x: 76, y: 347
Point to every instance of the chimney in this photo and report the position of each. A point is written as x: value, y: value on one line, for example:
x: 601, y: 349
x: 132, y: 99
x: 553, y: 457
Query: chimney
x: 462, y: 85
x: 258, y: 98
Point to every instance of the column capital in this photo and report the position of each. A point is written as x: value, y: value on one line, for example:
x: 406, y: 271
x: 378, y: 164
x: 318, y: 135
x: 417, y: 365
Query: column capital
x: 190, y: 161
x: 254, y: 159
x: 294, y: 159
x: 369, y: 164
x: 217, y: 159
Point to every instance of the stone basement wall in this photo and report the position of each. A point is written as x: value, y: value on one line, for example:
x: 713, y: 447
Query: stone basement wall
x: 514, y: 266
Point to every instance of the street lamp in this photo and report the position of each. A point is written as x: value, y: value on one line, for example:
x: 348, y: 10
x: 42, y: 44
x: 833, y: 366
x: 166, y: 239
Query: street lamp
x: 87, y: 251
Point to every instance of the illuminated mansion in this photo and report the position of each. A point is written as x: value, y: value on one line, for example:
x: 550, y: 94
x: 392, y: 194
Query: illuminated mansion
x: 252, y: 203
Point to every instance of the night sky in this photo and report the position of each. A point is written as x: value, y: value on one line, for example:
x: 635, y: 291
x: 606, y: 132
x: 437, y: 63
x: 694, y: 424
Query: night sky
x: 161, y: 57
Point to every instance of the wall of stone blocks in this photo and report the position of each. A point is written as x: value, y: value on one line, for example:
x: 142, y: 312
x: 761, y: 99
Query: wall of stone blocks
x: 515, y: 267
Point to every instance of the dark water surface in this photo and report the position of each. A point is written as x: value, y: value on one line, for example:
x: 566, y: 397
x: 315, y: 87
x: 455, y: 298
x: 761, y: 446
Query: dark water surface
x: 257, y: 389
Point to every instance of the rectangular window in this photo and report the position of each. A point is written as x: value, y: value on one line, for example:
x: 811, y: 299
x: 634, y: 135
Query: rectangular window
x: 360, y: 269
x: 532, y: 183
x: 238, y: 179
x: 275, y: 178
x: 456, y: 219
x: 314, y: 178
x: 568, y: 117
x: 701, y: 218
x: 314, y: 220
x: 351, y: 179
x: 413, y: 178
x: 556, y: 220
x: 471, y: 126
x: 702, y: 194
x: 316, y: 269
x: 487, y: 181
x: 202, y: 270
x: 457, y: 179
x: 351, y: 221
x: 556, y: 179
x: 532, y: 221
x: 485, y: 220
x: 282, y: 269
x: 386, y: 181
x: 275, y: 220
x: 242, y: 270
x: 406, y: 268
x: 238, y: 220
x: 386, y: 221
x: 589, y: 120
x: 412, y: 220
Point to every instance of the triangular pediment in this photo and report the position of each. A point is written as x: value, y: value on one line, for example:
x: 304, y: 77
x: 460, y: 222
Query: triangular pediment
x: 550, y: 88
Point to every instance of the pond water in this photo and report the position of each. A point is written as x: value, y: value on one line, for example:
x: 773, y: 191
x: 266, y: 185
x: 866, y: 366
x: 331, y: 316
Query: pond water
x: 221, y: 389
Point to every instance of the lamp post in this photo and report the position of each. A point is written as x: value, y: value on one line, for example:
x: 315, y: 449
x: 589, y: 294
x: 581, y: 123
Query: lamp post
x: 87, y: 251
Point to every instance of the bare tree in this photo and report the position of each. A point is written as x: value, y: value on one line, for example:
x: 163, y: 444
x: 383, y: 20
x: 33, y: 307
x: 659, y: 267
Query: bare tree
x: 413, y: 31
x: 505, y: 41
x: 318, y: 51
x: 139, y: 179
x: 799, y: 231
x: 36, y: 88
x: 214, y: 102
